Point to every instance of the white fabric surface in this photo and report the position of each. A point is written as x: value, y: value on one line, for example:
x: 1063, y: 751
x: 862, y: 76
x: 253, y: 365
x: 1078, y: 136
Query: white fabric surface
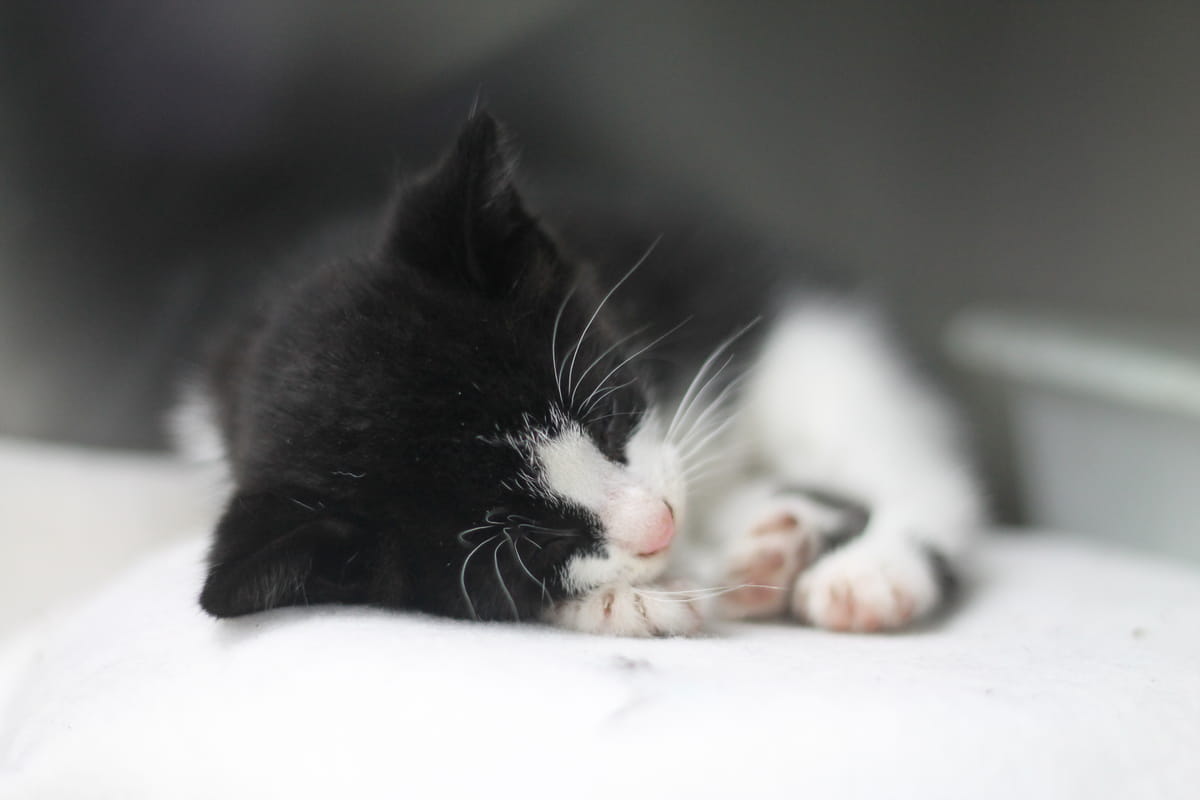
x: 1072, y: 671
x: 72, y: 517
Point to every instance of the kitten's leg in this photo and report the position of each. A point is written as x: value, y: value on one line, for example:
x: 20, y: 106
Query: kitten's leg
x: 833, y: 407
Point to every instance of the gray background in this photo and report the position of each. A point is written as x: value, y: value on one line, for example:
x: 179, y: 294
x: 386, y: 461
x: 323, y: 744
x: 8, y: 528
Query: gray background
x: 156, y: 156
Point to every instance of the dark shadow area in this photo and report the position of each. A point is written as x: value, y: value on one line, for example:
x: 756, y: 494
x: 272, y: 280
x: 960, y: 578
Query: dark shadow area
x: 158, y: 160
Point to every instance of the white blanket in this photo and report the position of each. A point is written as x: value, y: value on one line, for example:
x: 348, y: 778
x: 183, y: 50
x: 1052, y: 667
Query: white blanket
x: 1070, y: 671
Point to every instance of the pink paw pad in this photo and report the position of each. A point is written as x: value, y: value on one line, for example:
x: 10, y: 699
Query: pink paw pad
x: 776, y: 551
x: 868, y: 601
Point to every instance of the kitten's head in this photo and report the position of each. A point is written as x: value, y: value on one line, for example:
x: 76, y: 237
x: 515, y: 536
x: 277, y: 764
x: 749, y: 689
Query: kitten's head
x: 458, y: 424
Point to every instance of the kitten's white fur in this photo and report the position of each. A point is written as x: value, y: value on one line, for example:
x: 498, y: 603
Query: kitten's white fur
x: 575, y: 470
x: 829, y: 404
x: 624, y: 609
x: 616, y: 594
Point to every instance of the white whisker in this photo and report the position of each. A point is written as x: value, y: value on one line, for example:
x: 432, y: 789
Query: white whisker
x: 692, y: 448
x: 588, y: 403
x: 600, y: 357
x: 699, y: 381
x: 728, y: 458
x: 512, y: 543
x: 596, y: 313
x: 600, y: 397
x: 701, y: 474
x: 525, y: 526
x: 500, y: 579
x: 697, y: 468
x: 696, y: 428
x: 463, y: 534
x: 691, y: 595
x: 554, y: 342
x: 683, y: 413
x: 603, y: 417
x: 462, y: 577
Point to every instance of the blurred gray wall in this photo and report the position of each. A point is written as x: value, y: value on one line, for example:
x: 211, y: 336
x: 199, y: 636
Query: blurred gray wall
x: 155, y: 157
x: 1043, y: 153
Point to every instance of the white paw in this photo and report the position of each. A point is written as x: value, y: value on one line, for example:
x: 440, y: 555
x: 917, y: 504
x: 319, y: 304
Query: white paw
x: 624, y: 610
x: 764, y: 563
x: 774, y: 538
x: 866, y: 587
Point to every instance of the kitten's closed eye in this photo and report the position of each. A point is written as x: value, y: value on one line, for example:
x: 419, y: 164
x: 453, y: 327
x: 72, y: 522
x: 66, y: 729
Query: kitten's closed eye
x: 612, y: 430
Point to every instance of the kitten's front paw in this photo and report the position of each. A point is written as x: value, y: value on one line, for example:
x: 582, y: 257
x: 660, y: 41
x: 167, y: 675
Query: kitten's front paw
x: 772, y: 536
x: 867, y: 589
x: 764, y: 562
x: 624, y: 610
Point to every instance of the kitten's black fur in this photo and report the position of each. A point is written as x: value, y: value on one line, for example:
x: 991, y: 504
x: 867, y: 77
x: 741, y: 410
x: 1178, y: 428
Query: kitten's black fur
x: 361, y: 410
x: 364, y: 409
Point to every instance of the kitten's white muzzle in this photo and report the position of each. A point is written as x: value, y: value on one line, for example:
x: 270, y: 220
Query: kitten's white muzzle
x: 638, y: 521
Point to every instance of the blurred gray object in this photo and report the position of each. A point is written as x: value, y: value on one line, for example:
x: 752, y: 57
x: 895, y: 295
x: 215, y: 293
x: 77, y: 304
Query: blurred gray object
x: 1105, y: 421
x: 157, y: 159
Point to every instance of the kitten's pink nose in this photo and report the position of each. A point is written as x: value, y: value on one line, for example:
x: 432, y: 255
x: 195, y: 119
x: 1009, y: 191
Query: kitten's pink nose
x: 659, y: 532
x: 639, y: 521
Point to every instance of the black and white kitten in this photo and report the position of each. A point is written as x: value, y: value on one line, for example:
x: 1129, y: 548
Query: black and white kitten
x: 471, y: 422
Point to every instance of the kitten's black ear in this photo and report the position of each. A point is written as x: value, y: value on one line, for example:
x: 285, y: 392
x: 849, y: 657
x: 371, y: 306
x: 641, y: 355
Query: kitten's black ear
x: 272, y: 549
x: 465, y: 222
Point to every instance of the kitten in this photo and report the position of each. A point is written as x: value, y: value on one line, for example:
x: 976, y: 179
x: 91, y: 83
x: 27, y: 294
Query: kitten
x: 474, y: 423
